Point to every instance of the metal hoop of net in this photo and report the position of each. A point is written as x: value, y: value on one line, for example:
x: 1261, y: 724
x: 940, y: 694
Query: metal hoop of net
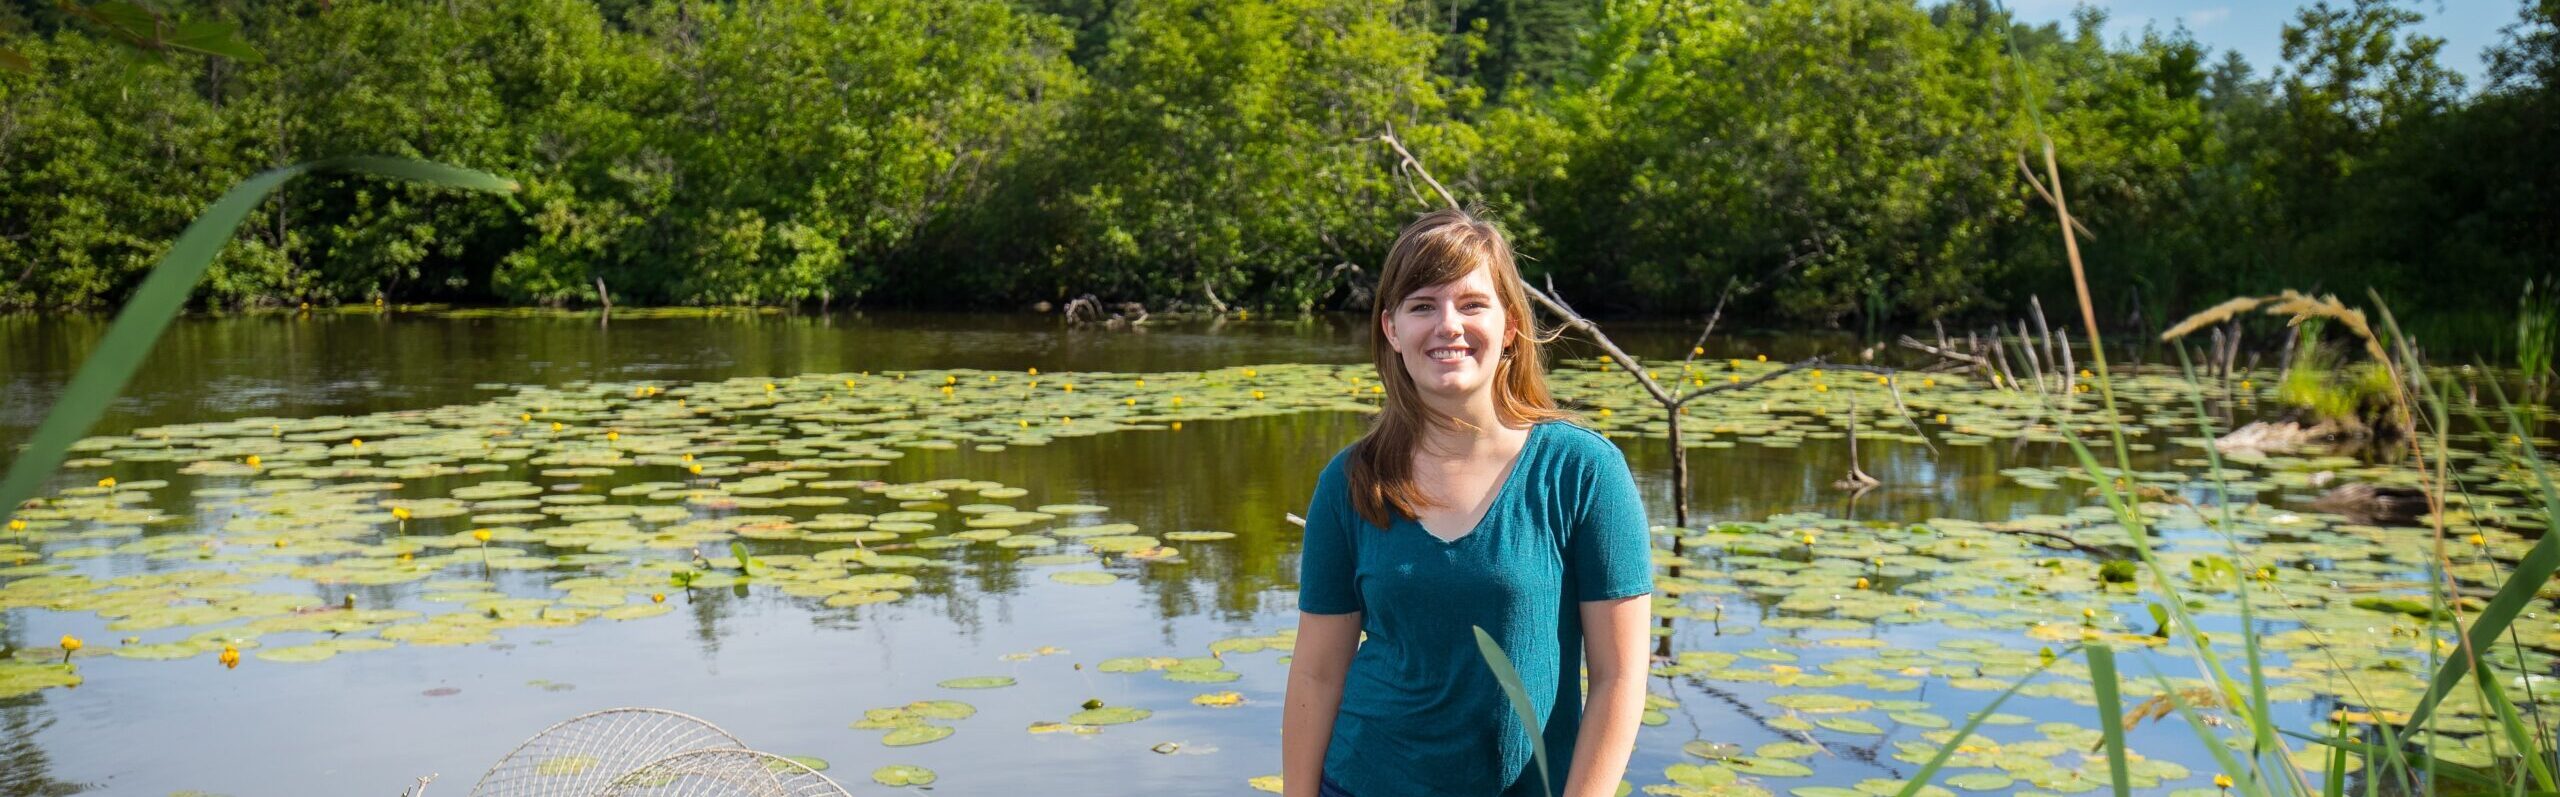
x: 724, y: 773
x: 581, y: 756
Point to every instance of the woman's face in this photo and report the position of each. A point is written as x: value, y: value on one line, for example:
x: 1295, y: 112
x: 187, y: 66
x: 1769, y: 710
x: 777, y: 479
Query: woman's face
x: 1450, y: 336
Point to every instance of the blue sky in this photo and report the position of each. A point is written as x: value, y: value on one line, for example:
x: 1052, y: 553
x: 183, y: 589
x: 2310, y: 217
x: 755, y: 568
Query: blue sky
x: 2253, y: 28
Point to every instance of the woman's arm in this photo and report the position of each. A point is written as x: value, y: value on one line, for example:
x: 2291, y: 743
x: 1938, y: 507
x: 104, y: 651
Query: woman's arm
x: 1317, y: 668
x: 1613, y: 639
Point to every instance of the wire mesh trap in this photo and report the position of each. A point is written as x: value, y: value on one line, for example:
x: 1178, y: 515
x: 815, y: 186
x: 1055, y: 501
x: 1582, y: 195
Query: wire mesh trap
x: 646, y: 751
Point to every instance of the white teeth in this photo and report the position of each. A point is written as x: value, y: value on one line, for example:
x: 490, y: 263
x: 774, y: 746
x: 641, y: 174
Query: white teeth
x: 1450, y: 353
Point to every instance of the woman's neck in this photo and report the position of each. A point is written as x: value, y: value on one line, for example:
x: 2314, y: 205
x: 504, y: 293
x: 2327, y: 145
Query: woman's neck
x: 1465, y: 425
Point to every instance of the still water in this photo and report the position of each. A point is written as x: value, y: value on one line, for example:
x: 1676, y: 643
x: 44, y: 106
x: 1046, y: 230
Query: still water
x: 788, y: 675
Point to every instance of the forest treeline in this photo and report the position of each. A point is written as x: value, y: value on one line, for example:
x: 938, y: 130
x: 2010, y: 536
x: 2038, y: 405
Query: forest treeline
x: 1842, y: 162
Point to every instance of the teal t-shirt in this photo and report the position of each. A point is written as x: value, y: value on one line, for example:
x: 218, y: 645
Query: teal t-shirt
x: 1421, y: 712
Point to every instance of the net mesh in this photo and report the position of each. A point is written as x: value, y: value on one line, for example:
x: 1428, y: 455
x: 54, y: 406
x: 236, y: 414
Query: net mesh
x: 583, y: 755
x: 723, y: 773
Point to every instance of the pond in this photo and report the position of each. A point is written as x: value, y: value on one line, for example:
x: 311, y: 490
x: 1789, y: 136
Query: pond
x: 429, y: 535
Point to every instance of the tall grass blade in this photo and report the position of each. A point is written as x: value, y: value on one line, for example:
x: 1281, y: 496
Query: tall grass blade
x: 1510, y: 678
x: 2259, y: 705
x: 2530, y: 573
x: 162, y: 294
x: 1920, y: 779
x: 2514, y: 726
x: 2102, y: 674
x: 2371, y: 752
x: 2244, y: 778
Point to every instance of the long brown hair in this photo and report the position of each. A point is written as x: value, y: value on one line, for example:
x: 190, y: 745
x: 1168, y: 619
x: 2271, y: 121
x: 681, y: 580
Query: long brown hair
x: 1443, y: 246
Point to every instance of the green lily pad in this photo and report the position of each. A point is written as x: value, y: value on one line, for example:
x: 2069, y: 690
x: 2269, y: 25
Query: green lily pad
x: 902, y: 775
x: 978, y: 682
x: 1981, y: 781
x: 910, y: 735
x: 1108, y: 715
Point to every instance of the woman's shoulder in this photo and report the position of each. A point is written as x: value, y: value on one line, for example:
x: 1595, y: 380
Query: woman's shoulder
x: 1576, y: 443
x: 1338, y: 469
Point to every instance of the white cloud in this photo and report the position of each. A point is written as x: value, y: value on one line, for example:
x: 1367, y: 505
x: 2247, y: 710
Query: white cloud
x: 2208, y: 16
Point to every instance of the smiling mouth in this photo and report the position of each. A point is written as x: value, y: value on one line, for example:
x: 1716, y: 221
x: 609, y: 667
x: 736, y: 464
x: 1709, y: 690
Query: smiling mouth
x: 1448, y: 354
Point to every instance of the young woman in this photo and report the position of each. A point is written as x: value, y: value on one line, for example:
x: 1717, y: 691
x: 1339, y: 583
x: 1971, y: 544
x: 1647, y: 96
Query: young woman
x: 1470, y: 503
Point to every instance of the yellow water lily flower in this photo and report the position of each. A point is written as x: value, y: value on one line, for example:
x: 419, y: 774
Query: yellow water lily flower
x: 400, y: 513
x: 1928, y: 383
x: 1142, y: 383
x: 527, y: 417
x: 1760, y: 357
x: 611, y: 436
x: 946, y: 390
x: 1248, y: 373
x: 950, y: 379
x: 1377, y: 388
x: 1862, y: 583
x: 356, y: 442
x: 2221, y: 781
x: 768, y: 387
x: 1821, y: 388
x: 1697, y: 350
x: 17, y: 525
x: 1257, y: 395
x: 1035, y: 372
x: 1068, y: 387
x: 480, y: 534
x: 1942, y: 417
x: 69, y: 644
x: 1606, y: 412
x: 1177, y: 401
x: 1130, y: 402
x: 695, y: 469
x: 1177, y: 426
x: 657, y: 597
x: 230, y: 657
x: 2477, y: 539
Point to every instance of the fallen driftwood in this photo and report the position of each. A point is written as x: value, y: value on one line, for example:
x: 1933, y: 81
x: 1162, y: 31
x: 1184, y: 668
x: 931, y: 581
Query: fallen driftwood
x: 2287, y: 436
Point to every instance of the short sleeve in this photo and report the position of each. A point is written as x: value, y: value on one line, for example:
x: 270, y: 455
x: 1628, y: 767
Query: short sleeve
x: 1612, y: 546
x: 1327, y: 560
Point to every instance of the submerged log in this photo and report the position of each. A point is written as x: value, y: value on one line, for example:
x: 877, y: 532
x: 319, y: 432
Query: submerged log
x: 2374, y: 504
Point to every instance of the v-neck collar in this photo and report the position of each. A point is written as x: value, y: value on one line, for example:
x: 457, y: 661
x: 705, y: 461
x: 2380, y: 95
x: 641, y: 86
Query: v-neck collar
x: 1502, y: 493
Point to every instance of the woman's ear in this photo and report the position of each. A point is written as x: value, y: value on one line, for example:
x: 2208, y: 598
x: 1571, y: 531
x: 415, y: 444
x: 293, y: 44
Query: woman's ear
x: 1387, y: 330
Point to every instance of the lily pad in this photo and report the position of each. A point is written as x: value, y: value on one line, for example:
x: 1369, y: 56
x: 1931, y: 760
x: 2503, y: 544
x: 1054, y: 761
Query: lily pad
x: 1108, y: 715
x: 978, y: 682
x: 902, y: 775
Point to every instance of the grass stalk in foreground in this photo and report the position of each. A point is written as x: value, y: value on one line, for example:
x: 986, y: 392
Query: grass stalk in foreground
x: 1519, y: 694
x: 163, y: 294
